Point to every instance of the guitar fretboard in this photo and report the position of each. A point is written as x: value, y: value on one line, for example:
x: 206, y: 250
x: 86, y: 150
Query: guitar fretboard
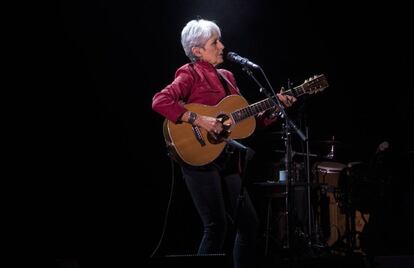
x: 316, y: 84
x: 262, y: 105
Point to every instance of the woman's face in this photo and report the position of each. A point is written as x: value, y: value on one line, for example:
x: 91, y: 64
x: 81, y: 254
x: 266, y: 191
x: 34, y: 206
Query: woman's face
x: 212, y: 51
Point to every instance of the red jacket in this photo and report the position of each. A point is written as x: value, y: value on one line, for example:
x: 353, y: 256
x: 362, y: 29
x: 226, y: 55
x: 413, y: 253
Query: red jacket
x: 195, y: 83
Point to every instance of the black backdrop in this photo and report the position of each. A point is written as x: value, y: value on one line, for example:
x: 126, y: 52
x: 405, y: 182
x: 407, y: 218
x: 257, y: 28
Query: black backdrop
x: 107, y: 171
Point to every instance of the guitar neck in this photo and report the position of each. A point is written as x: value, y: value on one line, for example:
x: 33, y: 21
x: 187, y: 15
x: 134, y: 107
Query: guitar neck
x: 263, y: 105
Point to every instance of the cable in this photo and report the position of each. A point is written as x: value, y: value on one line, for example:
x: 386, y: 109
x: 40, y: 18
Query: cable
x: 268, y: 83
x: 168, y: 209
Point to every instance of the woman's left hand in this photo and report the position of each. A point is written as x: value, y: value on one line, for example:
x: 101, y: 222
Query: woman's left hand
x: 286, y: 99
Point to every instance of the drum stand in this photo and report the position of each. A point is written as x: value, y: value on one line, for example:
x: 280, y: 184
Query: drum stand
x: 288, y: 169
x: 296, y: 237
x: 313, y: 234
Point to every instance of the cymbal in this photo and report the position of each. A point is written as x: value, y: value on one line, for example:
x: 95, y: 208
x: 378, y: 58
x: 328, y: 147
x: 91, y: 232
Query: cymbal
x: 331, y: 142
x: 295, y: 153
x: 327, y: 142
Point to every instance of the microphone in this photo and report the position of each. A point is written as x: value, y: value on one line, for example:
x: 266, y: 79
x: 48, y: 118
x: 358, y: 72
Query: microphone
x: 231, y: 56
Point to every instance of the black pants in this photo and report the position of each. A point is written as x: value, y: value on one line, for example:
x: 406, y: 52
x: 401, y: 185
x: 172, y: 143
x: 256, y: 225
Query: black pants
x: 215, y: 190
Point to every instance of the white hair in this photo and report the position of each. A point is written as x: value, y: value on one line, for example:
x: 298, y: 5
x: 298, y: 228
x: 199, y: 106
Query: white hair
x: 196, y: 34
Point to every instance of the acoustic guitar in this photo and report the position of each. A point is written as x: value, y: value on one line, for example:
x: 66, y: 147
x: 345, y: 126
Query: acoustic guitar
x: 195, y: 146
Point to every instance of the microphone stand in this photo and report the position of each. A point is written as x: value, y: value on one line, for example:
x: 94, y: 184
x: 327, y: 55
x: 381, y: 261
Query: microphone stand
x: 248, y: 155
x: 287, y: 126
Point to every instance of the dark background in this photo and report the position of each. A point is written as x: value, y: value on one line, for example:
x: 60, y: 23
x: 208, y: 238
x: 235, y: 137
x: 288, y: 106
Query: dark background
x: 105, y: 167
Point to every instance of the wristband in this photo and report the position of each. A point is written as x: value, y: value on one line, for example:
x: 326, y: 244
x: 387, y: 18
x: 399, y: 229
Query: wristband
x: 192, y: 117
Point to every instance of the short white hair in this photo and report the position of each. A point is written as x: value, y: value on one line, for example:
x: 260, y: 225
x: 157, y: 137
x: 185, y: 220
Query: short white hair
x: 196, y: 34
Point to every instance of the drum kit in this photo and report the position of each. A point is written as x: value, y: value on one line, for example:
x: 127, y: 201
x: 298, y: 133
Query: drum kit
x: 333, y: 222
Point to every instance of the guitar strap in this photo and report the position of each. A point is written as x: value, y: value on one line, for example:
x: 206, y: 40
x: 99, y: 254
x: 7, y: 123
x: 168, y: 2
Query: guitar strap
x: 225, y: 82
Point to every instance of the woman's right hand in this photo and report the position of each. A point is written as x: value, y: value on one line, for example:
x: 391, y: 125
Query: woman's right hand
x: 211, y: 124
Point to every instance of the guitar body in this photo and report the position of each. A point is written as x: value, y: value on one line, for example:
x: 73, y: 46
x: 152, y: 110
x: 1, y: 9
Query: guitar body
x: 184, y: 144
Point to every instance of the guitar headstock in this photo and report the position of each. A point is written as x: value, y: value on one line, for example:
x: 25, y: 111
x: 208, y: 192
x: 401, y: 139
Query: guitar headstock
x: 314, y: 84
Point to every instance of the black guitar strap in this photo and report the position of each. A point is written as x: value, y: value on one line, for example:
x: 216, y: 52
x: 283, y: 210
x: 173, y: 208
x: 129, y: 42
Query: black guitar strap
x: 225, y: 82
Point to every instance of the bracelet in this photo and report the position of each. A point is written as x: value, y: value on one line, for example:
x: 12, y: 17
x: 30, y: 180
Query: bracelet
x: 191, y: 118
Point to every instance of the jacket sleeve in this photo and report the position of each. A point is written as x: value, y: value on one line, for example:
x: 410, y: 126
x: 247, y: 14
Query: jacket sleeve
x: 169, y: 101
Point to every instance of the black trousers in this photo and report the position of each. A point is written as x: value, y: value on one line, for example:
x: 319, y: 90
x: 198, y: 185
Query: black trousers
x: 215, y: 190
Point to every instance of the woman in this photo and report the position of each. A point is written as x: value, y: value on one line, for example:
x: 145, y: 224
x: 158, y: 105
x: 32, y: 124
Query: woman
x: 214, y: 187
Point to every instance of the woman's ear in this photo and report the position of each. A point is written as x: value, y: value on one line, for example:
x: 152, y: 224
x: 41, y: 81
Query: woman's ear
x: 196, y: 51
